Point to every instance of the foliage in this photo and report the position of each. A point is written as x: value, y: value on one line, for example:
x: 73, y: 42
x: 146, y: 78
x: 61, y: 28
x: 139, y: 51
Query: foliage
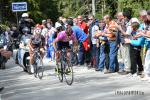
x: 3, y: 26
x: 43, y: 9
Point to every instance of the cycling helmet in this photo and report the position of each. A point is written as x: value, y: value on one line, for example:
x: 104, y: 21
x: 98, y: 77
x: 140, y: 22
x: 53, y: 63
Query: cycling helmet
x: 38, y: 29
x: 25, y: 30
x: 25, y: 15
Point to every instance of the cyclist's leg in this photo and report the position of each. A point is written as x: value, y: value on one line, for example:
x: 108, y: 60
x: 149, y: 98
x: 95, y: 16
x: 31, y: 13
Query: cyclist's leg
x: 31, y: 57
x: 58, y: 52
x: 31, y: 61
x: 68, y: 54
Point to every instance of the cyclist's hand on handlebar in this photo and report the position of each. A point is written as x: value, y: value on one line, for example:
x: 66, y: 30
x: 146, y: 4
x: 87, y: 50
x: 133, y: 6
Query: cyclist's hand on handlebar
x: 75, y: 49
x: 42, y: 50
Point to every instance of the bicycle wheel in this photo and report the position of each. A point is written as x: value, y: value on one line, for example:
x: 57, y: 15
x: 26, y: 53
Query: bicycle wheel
x: 40, y: 68
x: 3, y: 65
x: 35, y: 66
x: 68, y: 73
x: 59, y: 72
x: 35, y: 70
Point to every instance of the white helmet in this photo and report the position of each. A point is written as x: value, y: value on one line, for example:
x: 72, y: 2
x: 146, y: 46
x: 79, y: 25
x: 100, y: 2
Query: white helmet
x: 25, y: 15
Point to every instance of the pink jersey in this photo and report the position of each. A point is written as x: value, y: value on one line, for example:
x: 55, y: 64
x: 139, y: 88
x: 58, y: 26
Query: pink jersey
x: 62, y: 36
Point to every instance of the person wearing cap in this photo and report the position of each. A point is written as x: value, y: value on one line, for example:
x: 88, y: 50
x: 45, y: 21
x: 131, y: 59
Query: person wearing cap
x: 25, y: 21
x: 146, y: 34
x: 36, y: 41
x: 82, y: 39
x: 136, y: 45
x: 144, y: 18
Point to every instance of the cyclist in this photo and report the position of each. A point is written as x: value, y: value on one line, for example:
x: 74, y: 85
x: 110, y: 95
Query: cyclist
x: 62, y: 41
x: 36, y: 41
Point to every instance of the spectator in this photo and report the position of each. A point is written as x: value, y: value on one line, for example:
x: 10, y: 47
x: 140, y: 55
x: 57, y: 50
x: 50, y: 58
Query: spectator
x: 75, y: 21
x: 94, y: 48
x: 82, y: 24
x: 59, y: 22
x: 110, y: 32
x: 49, y: 41
x: 82, y: 39
x: 126, y: 30
x: 135, y: 48
x: 44, y: 29
x: 104, y: 49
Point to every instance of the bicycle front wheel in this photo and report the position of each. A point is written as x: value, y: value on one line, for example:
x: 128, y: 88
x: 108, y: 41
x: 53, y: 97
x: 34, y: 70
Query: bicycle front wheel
x: 40, y: 68
x: 59, y: 71
x: 68, y: 73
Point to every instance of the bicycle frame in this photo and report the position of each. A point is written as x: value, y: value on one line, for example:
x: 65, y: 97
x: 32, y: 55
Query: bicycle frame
x: 65, y: 66
x: 64, y: 55
x: 38, y: 71
x: 36, y: 53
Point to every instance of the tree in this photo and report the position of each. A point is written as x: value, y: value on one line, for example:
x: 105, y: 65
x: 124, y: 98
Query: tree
x: 43, y: 9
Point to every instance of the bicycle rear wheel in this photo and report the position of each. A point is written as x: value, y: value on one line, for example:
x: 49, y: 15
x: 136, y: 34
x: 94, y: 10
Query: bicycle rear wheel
x: 68, y: 73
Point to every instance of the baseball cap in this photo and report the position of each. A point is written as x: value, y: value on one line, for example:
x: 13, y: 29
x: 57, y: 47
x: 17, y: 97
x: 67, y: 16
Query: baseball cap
x: 135, y: 20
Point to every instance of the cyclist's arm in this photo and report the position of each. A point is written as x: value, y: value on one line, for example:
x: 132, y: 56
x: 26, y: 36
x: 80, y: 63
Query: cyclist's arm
x: 54, y: 44
x: 43, y: 42
x: 30, y: 46
x: 75, y: 44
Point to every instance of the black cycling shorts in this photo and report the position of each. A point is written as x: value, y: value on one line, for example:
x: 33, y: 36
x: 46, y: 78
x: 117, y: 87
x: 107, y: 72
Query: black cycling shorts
x: 61, y: 45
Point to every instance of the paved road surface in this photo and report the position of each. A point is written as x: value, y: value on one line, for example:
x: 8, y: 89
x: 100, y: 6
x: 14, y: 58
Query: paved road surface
x: 88, y: 85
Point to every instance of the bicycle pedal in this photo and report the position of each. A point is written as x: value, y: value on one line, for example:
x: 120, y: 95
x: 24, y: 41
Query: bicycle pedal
x: 68, y: 72
x: 57, y: 70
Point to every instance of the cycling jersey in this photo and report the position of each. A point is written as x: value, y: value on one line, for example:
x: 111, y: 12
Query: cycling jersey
x: 37, y: 41
x: 62, y: 36
x: 63, y: 40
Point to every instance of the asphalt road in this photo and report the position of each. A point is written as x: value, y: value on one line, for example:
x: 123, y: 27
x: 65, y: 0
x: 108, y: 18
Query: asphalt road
x: 88, y: 85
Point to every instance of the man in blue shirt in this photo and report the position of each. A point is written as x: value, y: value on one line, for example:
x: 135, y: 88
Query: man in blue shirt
x: 82, y: 38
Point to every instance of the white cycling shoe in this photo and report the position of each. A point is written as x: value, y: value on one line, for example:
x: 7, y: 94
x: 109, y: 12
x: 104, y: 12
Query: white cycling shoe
x: 31, y: 69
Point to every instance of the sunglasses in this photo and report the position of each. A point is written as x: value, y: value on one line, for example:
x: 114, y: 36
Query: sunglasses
x: 90, y: 19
